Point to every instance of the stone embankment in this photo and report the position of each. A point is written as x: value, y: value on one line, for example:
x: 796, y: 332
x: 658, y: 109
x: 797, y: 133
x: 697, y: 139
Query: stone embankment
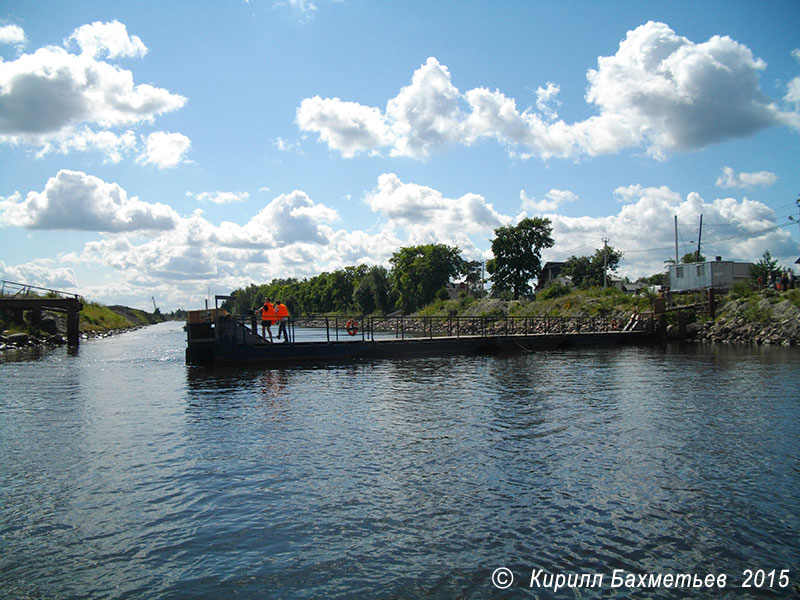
x: 48, y: 335
x: 768, y: 320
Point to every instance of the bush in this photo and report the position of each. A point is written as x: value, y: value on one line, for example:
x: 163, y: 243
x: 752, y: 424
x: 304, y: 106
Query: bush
x: 554, y: 290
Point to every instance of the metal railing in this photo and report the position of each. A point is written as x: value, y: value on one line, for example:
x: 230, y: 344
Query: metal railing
x: 334, y: 328
x: 11, y: 289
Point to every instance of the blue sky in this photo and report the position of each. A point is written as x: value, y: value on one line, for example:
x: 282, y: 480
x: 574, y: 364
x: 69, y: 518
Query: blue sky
x: 172, y: 149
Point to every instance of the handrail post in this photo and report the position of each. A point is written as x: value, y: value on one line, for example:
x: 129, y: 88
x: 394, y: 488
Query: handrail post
x: 327, y: 329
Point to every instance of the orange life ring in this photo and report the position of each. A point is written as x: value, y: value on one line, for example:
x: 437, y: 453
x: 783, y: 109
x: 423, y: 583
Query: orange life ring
x: 614, y: 324
x: 352, y: 327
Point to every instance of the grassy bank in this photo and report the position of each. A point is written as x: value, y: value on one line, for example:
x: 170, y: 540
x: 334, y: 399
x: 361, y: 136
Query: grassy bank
x: 98, y: 318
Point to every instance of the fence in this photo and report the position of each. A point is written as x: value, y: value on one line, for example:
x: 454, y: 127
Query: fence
x: 10, y: 289
x: 333, y: 328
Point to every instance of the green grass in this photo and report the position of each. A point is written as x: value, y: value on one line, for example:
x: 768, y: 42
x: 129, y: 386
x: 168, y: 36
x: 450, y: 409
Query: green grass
x: 96, y: 317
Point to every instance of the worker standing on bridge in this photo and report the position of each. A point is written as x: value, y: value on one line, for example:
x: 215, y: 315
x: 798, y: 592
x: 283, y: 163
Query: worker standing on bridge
x: 282, y: 314
x: 267, y: 318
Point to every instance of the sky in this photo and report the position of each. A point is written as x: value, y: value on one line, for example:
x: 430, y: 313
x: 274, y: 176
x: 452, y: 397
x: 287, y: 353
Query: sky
x: 170, y: 151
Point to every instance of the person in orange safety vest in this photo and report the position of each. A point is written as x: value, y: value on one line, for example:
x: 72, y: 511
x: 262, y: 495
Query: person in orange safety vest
x: 282, y: 314
x: 267, y: 318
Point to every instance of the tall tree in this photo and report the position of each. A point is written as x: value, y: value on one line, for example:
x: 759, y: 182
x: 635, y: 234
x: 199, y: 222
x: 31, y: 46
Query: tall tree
x: 587, y: 271
x: 517, y: 253
x: 418, y: 272
x: 372, y: 292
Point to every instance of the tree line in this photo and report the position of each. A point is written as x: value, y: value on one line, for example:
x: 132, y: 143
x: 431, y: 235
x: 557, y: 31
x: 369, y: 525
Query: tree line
x: 417, y: 275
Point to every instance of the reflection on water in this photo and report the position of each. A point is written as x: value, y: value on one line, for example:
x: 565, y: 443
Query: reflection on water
x: 125, y: 473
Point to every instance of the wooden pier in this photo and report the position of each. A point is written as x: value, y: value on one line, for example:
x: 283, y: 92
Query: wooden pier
x: 19, y: 297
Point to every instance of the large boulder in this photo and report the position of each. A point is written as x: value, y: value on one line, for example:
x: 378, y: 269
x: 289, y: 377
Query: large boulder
x: 49, y: 325
x: 692, y: 329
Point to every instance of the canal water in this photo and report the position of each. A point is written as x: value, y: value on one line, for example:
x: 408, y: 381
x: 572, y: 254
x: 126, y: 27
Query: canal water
x: 126, y: 474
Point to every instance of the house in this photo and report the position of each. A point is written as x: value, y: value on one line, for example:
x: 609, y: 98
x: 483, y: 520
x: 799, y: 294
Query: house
x: 718, y: 274
x: 550, y: 273
x: 634, y: 288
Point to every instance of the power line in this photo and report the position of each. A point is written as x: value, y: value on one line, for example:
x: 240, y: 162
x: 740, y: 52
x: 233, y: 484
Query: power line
x: 710, y: 242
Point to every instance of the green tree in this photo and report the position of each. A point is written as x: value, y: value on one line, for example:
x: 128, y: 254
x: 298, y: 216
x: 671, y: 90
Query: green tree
x: 693, y: 257
x: 517, y: 255
x: 372, y: 291
x: 658, y: 279
x: 474, y: 278
x: 587, y: 271
x: 418, y: 272
x: 764, y: 267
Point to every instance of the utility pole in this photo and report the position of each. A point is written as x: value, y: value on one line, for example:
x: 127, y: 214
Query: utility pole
x: 605, y: 259
x: 676, y: 239
x: 797, y: 202
x: 699, y: 235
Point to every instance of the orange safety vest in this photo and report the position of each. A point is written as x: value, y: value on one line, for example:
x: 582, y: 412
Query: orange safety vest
x: 282, y: 311
x: 268, y: 313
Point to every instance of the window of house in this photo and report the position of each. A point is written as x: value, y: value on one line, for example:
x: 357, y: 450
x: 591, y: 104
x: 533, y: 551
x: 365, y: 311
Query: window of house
x: 679, y: 272
x: 701, y: 270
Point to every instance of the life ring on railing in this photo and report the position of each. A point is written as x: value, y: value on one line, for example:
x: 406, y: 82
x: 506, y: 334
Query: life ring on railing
x: 352, y: 327
x: 614, y: 324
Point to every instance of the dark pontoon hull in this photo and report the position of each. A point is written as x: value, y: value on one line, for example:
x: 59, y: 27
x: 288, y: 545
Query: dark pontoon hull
x: 218, y: 352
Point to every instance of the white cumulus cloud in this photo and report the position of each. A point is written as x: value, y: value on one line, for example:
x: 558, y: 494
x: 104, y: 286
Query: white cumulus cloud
x: 12, y: 34
x: 660, y: 91
x: 165, y: 150
x: 57, y: 100
x: 732, y: 179
x: 428, y: 216
x: 348, y: 127
x: 110, y: 39
x: 550, y: 203
x: 41, y: 272
x: 73, y: 200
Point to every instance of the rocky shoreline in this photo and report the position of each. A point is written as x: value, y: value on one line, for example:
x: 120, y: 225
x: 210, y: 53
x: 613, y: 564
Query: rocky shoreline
x: 52, y: 331
x: 768, y: 321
